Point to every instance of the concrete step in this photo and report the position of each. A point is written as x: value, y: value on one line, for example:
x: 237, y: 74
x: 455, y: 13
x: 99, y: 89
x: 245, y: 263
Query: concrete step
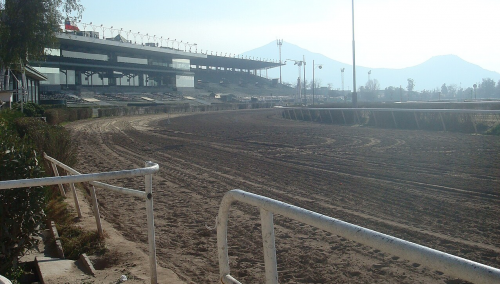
x: 56, y: 270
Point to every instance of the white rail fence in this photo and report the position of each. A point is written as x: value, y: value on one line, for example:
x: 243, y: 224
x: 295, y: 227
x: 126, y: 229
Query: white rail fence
x: 452, y: 265
x: 94, y: 178
x: 300, y: 113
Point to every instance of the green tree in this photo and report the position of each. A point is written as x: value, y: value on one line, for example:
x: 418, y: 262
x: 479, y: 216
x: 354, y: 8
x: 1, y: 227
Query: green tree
x: 27, y: 27
x: 372, y: 85
x: 411, y: 85
x: 444, y: 89
x: 390, y: 93
x: 486, y: 88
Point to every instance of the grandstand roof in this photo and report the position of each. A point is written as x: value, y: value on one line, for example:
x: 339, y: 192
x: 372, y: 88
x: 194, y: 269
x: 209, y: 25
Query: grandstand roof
x: 126, y: 47
x: 231, y: 62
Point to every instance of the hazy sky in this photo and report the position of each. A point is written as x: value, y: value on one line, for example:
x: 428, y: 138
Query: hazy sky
x: 388, y: 33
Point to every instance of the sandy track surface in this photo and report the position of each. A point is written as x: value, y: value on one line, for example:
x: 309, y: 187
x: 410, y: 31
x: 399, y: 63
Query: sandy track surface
x: 437, y: 189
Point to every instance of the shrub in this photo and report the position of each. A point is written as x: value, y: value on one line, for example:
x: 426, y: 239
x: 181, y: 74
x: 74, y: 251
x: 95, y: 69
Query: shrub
x: 53, y: 140
x: 58, y: 115
x: 30, y: 109
x: 495, y: 130
x: 21, y: 209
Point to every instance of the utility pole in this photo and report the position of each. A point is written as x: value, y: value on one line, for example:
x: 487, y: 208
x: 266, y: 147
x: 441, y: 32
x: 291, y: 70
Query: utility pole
x: 313, y: 81
x: 354, y: 95
x: 304, y: 61
x: 279, y: 42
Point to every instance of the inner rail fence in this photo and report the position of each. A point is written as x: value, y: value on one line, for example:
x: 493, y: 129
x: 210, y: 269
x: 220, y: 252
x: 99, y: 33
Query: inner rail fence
x: 434, y: 119
x: 451, y: 265
x: 94, y: 179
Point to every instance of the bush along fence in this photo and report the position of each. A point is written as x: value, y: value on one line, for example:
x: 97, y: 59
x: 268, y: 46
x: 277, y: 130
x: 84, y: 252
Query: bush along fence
x: 455, y: 120
x: 181, y: 108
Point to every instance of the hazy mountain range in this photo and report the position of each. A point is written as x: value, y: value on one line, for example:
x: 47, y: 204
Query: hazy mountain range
x: 431, y: 74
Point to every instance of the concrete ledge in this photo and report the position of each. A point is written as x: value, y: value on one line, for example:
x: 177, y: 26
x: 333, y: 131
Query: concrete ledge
x: 87, y: 265
x: 55, y: 235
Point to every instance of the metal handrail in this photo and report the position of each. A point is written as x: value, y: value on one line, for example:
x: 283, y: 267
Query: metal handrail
x: 76, y: 177
x: 453, y: 265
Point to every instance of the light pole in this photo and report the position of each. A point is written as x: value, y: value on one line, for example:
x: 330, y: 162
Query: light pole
x: 354, y: 95
x: 314, y: 83
x: 279, y: 42
x: 299, y: 85
x: 342, y: 77
x: 304, y: 62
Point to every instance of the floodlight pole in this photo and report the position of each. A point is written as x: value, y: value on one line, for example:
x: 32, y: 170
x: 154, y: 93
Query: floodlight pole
x: 354, y: 95
x: 313, y: 83
x: 279, y: 42
x: 304, y: 62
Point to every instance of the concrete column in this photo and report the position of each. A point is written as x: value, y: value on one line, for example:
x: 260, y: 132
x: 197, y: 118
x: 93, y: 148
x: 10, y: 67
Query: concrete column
x: 141, y: 79
x: 113, y: 58
x: 78, y: 78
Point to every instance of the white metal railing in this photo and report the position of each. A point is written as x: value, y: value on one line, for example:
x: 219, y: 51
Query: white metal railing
x: 288, y: 113
x: 76, y: 177
x: 447, y: 263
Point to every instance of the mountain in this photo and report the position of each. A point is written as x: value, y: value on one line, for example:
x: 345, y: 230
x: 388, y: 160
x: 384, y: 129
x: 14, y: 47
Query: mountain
x: 449, y: 69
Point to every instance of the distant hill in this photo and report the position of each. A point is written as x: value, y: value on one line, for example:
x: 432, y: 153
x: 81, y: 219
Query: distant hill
x: 449, y: 69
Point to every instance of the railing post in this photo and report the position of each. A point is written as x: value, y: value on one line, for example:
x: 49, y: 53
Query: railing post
x: 96, y: 211
x: 416, y: 120
x: 442, y: 121
x: 473, y: 122
x: 374, y: 118
x: 75, y: 197
x: 151, y: 225
x: 56, y: 173
x: 394, y: 119
x: 266, y: 219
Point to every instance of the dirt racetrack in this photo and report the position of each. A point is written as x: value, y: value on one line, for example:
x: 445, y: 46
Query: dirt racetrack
x: 437, y: 189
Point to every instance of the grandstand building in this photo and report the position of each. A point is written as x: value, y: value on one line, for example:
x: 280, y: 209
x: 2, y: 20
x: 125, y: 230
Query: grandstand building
x: 84, y: 60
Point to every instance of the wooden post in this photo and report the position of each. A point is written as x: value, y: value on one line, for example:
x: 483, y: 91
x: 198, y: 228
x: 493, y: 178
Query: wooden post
x: 394, y: 119
x: 96, y: 211
x: 75, y: 197
x: 442, y: 121
x: 473, y: 122
x: 416, y: 120
x: 56, y: 173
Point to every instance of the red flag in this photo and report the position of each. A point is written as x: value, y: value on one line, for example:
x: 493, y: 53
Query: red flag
x: 70, y: 26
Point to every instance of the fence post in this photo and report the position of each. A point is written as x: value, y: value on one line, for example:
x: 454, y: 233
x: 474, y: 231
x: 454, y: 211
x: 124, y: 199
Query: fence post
x: 416, y: 120
x: 442, y: 121
x: 473, y: 122
x: 75, y: 197
x: 56, y: 173
x: 96, y: 211
x: 343, y: 116
x: 394, y: 119
x: 374, y: 118
x: 356, y: 114
x: 151, y: 224
x: 266, y: 219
